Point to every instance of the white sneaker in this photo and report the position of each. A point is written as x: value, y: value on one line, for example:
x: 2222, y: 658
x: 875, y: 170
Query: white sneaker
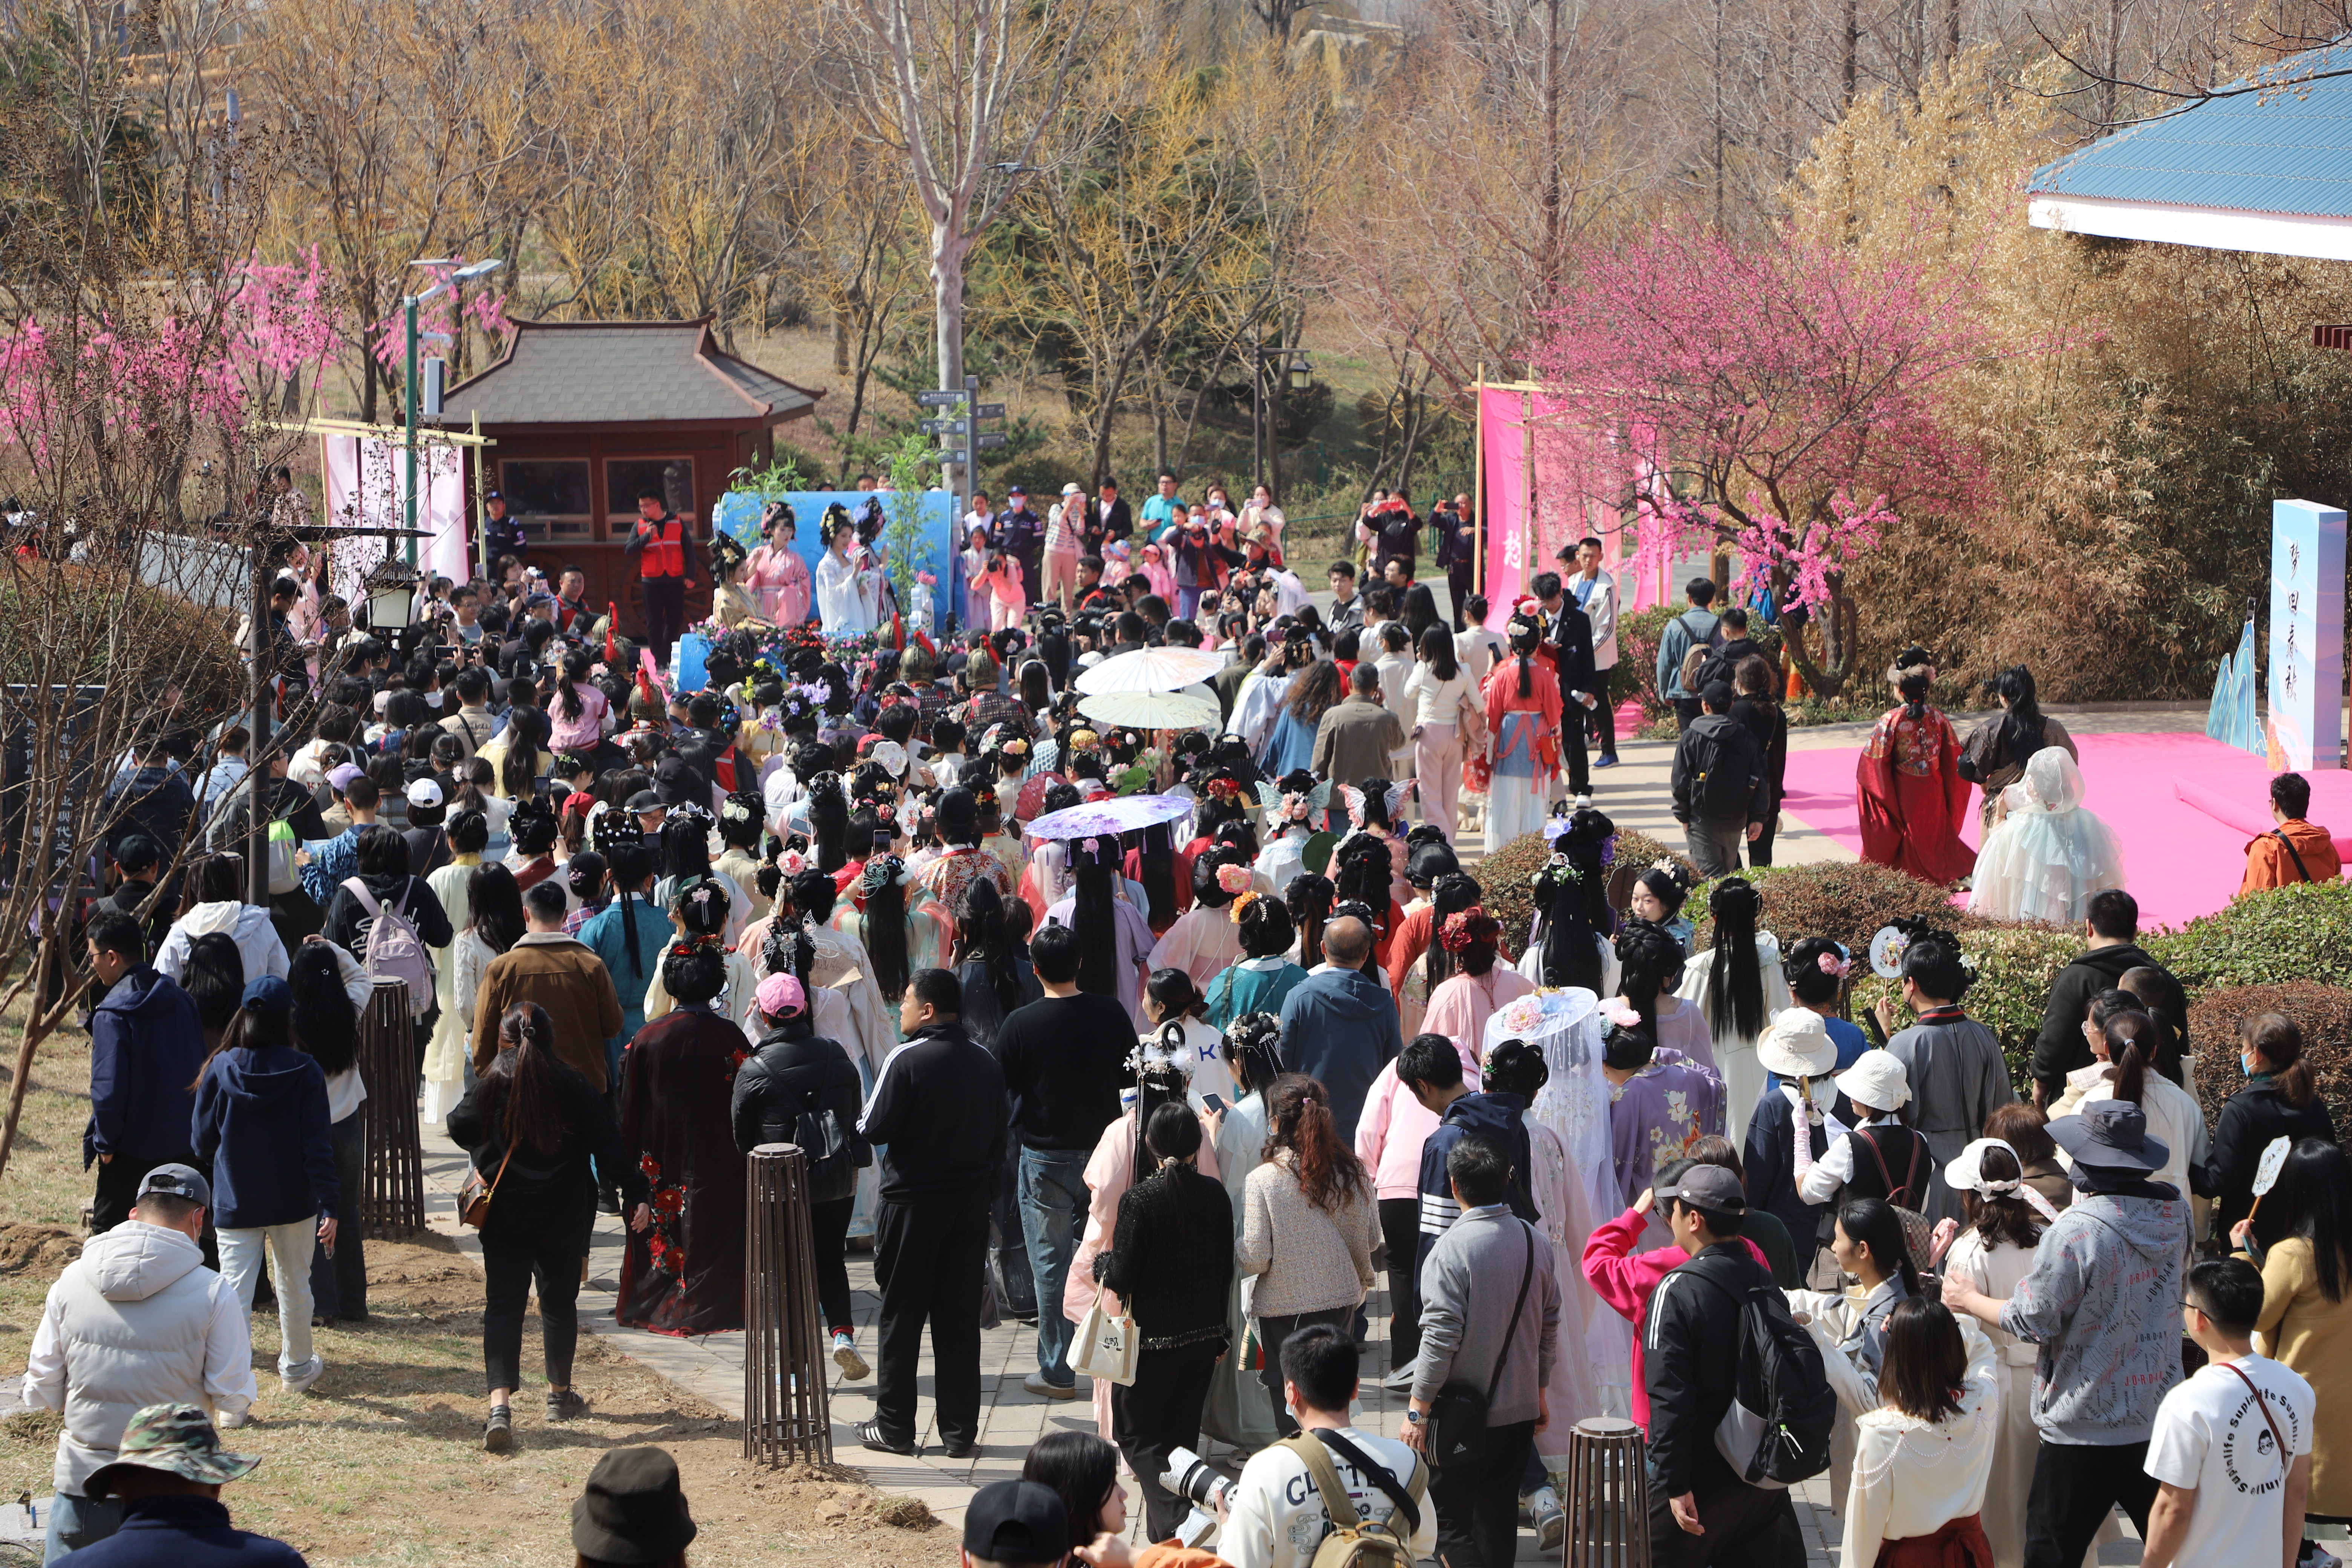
x: 845, y: 1357
x: 1549, y: 1518
x: 232, y: 1420
x: 1035, y: 1384
x: 299, y: 1380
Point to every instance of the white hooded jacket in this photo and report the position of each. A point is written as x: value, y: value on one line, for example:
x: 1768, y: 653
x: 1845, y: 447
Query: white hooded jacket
x: 247, y: 925
x: 138, y: 1320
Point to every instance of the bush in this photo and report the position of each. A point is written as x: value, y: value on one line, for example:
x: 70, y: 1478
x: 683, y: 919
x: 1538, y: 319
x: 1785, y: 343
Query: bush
x: 2016, y: 966
x: 2266, y: 938
x: 1503, y: 876
x: 1636, y: 671
x: 2324, y: 1012
x: 1846, y: 903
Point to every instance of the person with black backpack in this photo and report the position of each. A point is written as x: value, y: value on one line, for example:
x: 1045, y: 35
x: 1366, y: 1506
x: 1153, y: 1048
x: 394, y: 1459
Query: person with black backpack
x: 802, y: 1088
x: 1728, y: 1370
x: 1721, y: 794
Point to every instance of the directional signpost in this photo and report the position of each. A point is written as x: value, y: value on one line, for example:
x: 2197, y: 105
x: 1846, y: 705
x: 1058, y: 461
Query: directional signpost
x: 946, y: 426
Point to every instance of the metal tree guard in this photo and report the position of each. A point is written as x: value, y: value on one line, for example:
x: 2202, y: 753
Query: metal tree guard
x: 394, y: 1205
x: 1608, y: 1496
x: 785, y: 1415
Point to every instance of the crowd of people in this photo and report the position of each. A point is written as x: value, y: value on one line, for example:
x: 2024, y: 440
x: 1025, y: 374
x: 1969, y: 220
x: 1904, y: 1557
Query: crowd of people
x: 1187, y: 1094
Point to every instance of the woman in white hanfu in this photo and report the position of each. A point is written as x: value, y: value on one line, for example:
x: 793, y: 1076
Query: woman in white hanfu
x: 1575, y: 1189
x: 2048, y: 854
x: 848, y: 585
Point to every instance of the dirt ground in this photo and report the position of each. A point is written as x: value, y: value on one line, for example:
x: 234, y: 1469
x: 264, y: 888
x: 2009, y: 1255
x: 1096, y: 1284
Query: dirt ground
x: 382, y: 1462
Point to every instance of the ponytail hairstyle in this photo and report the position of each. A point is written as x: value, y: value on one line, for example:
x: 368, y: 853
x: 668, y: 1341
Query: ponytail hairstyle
x: 325, y: 1029
x: 1735, y: 991
x: 536, y: 1109
x: 1156, y: 863
x: 631, y: 864
x: 828, y: 815
x: 1816, y: 970
x: 1525, y: 635
x: 2130, y: 1045
x: 1309, y: 900
x: 1873, y: 1223
x: 567, y: 690
x: 1091, y: 863
x: 2159, y: 994
x: 883, y: 923
x: 1253, y: 1048
x: 1515, y: 1066
x: 2024, y: 730
x: 2280, y: 1041
x: 983, y: 937
x: 1651, y: 962
x: 1299, y: 1121
x: 1450, y: 895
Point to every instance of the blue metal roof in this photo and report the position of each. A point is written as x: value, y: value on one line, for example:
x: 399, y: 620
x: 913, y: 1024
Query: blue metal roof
x: 2285, y: 149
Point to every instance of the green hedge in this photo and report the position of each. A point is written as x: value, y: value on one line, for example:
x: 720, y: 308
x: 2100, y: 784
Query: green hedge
x: 1503, y: 876
x: 2323, y: 1012
x: 2268, y: 938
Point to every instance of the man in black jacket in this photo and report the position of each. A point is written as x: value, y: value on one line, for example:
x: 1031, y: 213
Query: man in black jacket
x: 938, y: 1116
x: 1700, y: 1511
x: 1723, y: 663
x: 1569, y: 631
x: 2111, y: 930
x: 1108, y: 518
x: 1720, y: 792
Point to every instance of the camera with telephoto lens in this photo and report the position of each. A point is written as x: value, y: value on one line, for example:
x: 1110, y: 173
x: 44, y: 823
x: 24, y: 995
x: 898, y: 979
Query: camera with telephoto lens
x: 1190, y: 1477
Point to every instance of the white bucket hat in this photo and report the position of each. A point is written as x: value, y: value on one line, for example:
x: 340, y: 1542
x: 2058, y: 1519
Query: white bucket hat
x: 1796, y: 1043
x: 1878, y: 1081
x: 1966, y: 1174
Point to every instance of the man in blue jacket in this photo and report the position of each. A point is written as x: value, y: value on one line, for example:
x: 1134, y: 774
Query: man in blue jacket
x: 146, y: 1046
x: 1340, y: 1025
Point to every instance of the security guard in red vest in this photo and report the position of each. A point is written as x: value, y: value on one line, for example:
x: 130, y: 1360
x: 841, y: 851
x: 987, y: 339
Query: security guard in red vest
x: 663, y: 547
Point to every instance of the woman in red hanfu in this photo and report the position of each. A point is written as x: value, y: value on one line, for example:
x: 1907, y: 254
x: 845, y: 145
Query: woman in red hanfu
x: 1908, y: 785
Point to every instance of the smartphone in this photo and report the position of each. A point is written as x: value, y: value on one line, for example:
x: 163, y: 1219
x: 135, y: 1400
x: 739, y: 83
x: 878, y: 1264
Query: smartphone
x: 1213, y: 1104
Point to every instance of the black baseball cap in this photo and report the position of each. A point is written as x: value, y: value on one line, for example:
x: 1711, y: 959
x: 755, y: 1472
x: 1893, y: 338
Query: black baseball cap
x: 137, y: 852
x: 1708, y: 1188
x: 177, y: 1182
x: 1016, y: 1521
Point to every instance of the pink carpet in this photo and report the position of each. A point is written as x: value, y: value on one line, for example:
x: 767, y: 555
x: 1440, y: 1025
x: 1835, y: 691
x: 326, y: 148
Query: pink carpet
x: 2183, y: 861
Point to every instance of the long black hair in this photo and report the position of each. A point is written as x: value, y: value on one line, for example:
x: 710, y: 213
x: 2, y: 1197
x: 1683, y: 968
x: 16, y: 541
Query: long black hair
x: 1253, y: 1048
x: 1526, y: 637
x: 567, y: 690
x: 883, y: 923
x: 1091, y: 914
x: 1309, y: 899
x: 532, y: 1076
x: 686, y: 844
x: 828, y: 816
x: 326, y: 1028
x: 1571, y: 895
x: 214, y: 977
x: 1874, y: 1224
x: 2024, y: 730
x: 1735, y: 991
x: 1450, y: 895
x: 2315, y: 1199
x: 632, y: 862
x: 1365, y: 870
x: 983, y: 937
x: 496, y: 901
x: 1651, y: 960
x: 1156, y: 863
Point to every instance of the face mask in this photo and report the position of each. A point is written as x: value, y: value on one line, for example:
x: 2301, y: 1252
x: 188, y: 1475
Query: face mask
x: 2246, y: 1065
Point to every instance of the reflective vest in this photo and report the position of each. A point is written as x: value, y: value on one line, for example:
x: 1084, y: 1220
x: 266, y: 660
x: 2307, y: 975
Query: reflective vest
x: 665, y: 554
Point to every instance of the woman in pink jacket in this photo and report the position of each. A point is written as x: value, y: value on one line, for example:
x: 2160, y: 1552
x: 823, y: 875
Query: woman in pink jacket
x: 1625, y: 1278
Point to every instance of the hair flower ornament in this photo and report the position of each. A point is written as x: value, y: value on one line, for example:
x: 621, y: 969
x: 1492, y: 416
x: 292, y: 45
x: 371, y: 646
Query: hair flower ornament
x: 1466, y: 928
x: 1241, y: 900
x: 1524, y: 1016
x: 1836, y: 964
x: 1623, y: 1018
x: 1234, y: 879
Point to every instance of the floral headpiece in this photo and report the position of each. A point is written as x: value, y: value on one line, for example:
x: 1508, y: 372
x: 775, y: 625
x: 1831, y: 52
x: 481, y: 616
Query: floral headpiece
x: 882, y: 872
x: 1623, y: 1018
x: 1234, y: 879
x: 1222, y: 789
x: 1241, y: 900
x: 1466, y: 927
x: 883, y: 810
x: 1838, y: 964
x: 792, y: 863
x: 1084, y: 741
x: 740, y: 808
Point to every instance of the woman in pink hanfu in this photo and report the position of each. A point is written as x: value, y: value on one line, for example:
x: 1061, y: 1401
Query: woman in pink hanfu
x: 776, y: 575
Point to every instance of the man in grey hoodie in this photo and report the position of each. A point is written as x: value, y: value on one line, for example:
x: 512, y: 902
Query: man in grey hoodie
x: 2104, y: 1303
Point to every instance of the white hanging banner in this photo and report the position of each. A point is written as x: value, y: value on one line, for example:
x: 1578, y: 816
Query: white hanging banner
x: 367, y: 487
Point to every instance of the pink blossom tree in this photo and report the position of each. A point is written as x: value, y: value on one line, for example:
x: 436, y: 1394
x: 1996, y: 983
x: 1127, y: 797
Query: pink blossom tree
x: 1778, y: 398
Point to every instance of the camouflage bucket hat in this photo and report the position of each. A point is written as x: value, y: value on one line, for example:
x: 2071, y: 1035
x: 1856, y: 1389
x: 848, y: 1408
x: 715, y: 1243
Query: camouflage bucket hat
x: 177, y: 1439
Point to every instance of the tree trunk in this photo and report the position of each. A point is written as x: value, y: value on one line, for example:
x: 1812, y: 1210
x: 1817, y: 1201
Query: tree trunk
x: 840, y: 342
x: 947, y: 300
x: 1852, y: 47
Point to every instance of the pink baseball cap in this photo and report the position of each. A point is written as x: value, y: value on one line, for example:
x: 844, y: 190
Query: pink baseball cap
x: 781, y: 995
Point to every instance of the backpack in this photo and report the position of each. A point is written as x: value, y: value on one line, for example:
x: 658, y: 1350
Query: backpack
x: 394, y: 951
x: 1723, y: 779
x: 1355, y: 1541
x: 1695, y: 660
x: 1777, y: 1431
x: 836, y: 1153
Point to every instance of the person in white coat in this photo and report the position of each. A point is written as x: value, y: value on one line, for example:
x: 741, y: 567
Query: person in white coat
x: 1922, y: 1457
x: 137, y: 1320
x: 217, y: 903
x: 1992, y: 1253
x: 1595, y: 592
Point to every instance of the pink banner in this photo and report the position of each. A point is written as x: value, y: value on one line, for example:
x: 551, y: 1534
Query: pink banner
x: 1503, y: 420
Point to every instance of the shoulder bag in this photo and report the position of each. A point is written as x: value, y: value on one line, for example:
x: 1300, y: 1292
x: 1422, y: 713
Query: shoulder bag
x: 2300, y: 868
x: 474, y: 1195
x: 1105, y: 1346
x: 1457, y: 1417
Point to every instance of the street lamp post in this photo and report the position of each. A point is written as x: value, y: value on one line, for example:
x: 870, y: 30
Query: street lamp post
x: 457, y: 279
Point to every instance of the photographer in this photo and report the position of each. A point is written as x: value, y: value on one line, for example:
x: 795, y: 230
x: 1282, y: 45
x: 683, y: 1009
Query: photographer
x: 1276, y: 1495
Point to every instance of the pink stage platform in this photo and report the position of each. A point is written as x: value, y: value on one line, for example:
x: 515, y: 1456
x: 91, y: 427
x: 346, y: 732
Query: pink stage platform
x: 2183, y: 805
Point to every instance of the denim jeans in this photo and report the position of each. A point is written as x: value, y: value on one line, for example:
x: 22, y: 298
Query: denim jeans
x: 290, y: 1247
x: 76, y: 1522
x: 1053, y: 1217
